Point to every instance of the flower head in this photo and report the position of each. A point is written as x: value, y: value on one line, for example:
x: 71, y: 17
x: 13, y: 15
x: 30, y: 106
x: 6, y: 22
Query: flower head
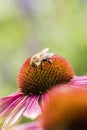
x: 37, y: 80
x: 36, y: 77
x: 66, y: 109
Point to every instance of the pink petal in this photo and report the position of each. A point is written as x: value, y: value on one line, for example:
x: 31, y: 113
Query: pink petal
x: 15, y: 115
x: 7, y: 111
x: 28, y: 126
x: 43, y: 97
x: 33, y: 109
x: 81, y: 77
x: 7, y: 104
x: 79, y: 82
x: 5, y: 101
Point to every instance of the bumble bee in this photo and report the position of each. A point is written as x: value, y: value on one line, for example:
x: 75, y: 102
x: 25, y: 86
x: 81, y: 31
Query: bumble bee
x: 39, y: 58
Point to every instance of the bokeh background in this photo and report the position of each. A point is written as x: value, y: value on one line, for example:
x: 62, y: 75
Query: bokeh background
x: 28, y: 26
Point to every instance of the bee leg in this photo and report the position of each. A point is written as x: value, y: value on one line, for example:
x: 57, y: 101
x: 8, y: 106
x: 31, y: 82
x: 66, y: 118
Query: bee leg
x: 42, y: 64
x: 31, y: 67
x: 50, y: 61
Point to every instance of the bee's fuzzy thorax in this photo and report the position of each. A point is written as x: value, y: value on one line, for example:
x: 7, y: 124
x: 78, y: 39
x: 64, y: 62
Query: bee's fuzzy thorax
x: 37, y: 80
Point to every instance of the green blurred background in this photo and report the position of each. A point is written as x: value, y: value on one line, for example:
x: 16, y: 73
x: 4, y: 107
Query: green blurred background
x: 28, y: 26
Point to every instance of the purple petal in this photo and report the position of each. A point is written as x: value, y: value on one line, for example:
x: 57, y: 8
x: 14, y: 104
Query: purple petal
x: 16, y: 114
x: 43, y: 97
x: 33, y: 109
x: 79, y: 82
x: 81, y: 77
x: 7, y: 104
x: 28, y: 126
x: 8, y: 109
x: 8, y: 99
x: 16, y: 93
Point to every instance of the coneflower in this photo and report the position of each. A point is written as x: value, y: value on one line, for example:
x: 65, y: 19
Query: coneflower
x: 65, y: 110
x: 36, y: 77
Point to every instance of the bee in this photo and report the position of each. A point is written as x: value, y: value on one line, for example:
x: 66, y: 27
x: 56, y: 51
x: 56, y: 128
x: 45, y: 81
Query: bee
x: 39, y: 58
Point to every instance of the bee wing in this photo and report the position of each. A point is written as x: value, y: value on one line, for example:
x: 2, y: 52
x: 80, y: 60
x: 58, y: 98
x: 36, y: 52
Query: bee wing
x: 50, y: 54
x: 47, y: 55
x: 43, y: 52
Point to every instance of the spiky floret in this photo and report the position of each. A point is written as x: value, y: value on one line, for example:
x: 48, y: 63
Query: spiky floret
x: 37, y: 80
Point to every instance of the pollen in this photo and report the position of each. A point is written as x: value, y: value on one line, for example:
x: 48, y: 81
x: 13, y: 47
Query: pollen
x: 37, y: 80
